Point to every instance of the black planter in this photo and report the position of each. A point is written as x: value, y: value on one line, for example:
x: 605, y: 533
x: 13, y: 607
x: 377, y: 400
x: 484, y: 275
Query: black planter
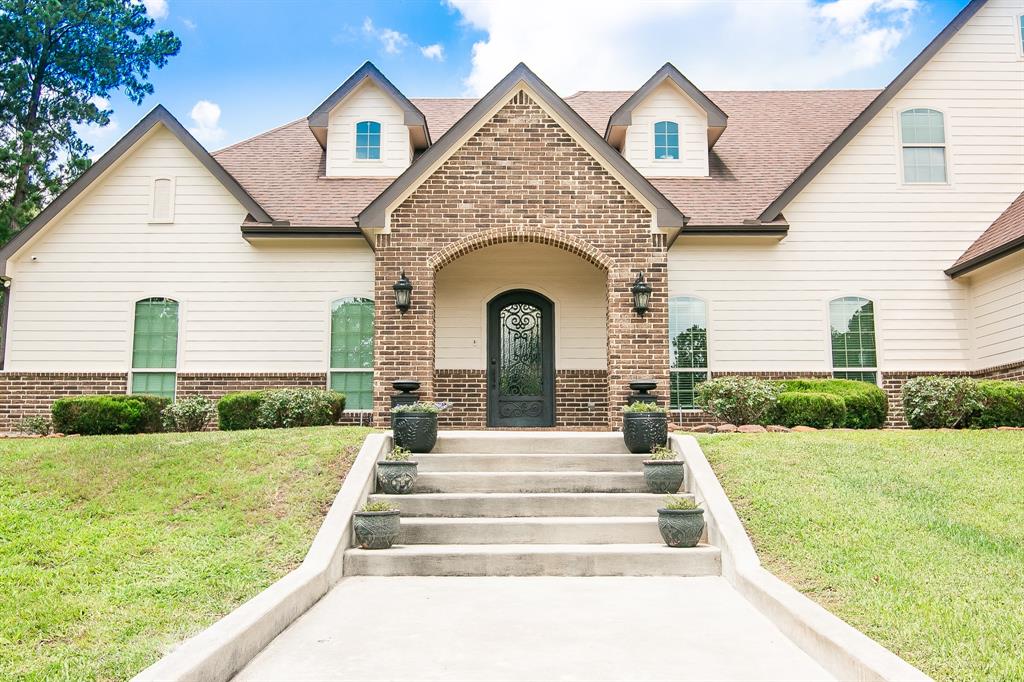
x: 376, y: 530
x: 681, y: 527
x: 415, y: 431
x: 644, y: 431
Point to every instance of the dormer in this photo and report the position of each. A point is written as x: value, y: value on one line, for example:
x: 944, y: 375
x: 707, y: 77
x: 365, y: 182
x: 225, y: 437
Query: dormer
x: 666, y: 128
x: 368, y: 128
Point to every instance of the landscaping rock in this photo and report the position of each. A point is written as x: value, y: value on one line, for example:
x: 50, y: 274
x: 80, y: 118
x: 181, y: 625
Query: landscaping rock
x: 1010, y: 428
x: 752, y: 428
x: 704, y: 428
x: 775, y: 428
x: 727, y: 428
x: 672, y: 426
x: 804, y: 428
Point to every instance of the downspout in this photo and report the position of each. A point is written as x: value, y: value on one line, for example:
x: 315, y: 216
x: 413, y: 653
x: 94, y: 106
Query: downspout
x: 5, y: 307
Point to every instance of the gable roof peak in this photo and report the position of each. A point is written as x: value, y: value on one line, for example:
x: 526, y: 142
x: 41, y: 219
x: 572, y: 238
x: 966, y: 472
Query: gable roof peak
x: 622, y: 117
x: 414, y: 118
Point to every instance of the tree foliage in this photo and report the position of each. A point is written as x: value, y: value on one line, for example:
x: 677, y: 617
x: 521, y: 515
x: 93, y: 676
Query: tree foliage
x: 59, y: 61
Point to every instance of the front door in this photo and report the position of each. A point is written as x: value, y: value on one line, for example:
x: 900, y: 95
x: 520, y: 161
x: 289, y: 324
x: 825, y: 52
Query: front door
x: 520, y: 360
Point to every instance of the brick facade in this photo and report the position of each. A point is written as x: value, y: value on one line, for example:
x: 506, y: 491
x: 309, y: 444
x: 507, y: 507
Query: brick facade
x: 521, y: 178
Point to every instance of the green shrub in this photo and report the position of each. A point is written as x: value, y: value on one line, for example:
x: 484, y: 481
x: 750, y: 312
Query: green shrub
x: 378, y: 507
x: 739, y: 400
x: 337, y: 404
x: 940, y: 402
x: 36, y: 424
x: 662, y: 452
x: 643, y: 406
x: 290, y: 407
x: 398, y: 454
x: 1002, y: 404
x: 808, y: 408
x: 866, y: 404
x: 679, y: 503
x: 108, y: 414
x: 238, y: 411
x: 422, y: 406
x: 188, y: 414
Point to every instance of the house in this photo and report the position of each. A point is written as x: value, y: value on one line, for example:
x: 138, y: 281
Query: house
x: 874, y: 235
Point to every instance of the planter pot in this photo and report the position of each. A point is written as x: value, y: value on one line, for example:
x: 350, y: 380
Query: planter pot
x: 375, y: 530
x: 644, y: 431
x: 415, y: 431
x: 396, y: 478
x: 664, y: 475
x: 681, y: 527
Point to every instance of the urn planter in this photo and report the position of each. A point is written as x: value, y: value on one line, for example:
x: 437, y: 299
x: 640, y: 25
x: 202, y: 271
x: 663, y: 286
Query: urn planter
x: 681, y: 527
x: 376, y: 529
x: 664, y: 475
x: 396, y: 477
x: 644, y: 431
x: 415, y: 431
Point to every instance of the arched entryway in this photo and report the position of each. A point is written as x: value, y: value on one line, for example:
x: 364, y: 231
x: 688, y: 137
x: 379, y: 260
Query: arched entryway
x: 520, y: 360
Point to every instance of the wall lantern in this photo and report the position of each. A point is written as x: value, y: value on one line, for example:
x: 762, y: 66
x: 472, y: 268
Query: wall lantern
x: 641, y: 294
x: 403, y: 293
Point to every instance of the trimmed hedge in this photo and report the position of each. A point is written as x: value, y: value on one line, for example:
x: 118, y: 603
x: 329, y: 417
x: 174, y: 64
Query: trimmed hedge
x: 807, y: 408
x: 279, y: 408
x: 866, y: 404
x: 941, y: 402
x: 739, y: 399
x: 1002, y: 405
x: 93, y: 415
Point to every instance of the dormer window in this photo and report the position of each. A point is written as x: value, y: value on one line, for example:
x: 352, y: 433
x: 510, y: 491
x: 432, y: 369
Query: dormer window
x: 666, y: 140
x: 924, y: 146
x: 368, y: 140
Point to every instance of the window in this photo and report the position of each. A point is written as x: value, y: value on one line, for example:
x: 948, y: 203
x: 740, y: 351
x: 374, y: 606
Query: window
x: 666, y: 140
x: 852, y: 322
x: 368, y: 140
x: 155, y: 347
x: 924, y: 146
x: 352, y: 351
x: 162, y: 210
x: 1020, y: 35
x: 688, y: 346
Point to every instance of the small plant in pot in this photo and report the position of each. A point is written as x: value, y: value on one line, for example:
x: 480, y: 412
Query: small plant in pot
x: 681, y: 522
x: 397, y: 473
x: 376, y: 525
x: 415, y: 425
x: 644, y: 427
x: 663, y: 473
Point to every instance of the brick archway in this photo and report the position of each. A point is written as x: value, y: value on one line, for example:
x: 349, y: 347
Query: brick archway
x: 506, y: 235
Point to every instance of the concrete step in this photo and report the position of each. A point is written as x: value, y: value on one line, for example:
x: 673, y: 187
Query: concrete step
x: 524, y: 504
x: 544, y: 530
x: 511, y: 442
x: 530, y: 482
x: 528, y: 462
x: 557, y: 560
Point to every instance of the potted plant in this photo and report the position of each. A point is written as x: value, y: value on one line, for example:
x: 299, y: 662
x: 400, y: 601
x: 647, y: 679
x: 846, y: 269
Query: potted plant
x: 681, y: 522
x: 663, y: 473
x: 415, y: 425
x: 397, y: 473
x: 644, y: 426
x: 376, y: 525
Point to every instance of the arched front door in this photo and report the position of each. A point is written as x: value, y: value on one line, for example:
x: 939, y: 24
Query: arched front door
x: 520, y: 360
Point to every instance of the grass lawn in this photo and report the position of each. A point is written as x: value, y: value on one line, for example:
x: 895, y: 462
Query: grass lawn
x: 916, y: 538
x: 113, y: 548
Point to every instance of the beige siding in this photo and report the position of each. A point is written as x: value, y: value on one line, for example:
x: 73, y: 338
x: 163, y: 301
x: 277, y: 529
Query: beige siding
x: 668, y: 103
x: 997, y: 293
x: 858, y: 230
x: 367, y: 103
x: 243, y: 307
x: 576, y: 288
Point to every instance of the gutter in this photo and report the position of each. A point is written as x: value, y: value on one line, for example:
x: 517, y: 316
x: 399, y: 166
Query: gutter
x: 279, y: 231
x: 759, y: 230
x: 986, y: 258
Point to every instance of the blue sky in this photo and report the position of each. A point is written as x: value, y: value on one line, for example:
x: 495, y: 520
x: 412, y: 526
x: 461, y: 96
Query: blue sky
x: 247, y: 66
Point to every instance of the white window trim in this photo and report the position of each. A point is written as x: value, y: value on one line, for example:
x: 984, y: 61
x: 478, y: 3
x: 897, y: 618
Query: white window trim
x: 132, y: 371
x: 947, y: 154
x: 355, y: 143
x: 332, y: 370
x: 152, y: 199
x: 877, y: 369
x: 679, y: 141
x: 706, y: 370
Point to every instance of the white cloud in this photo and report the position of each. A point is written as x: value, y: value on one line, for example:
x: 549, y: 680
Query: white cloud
x: 392, y: 41
x: 593, y: 44
x: 206, y: 116
x: 189, y: 24
x: 156, y: 9
x: 435, y: 51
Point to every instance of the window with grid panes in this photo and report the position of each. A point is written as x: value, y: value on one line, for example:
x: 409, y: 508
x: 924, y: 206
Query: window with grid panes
x: 155, y: 347
x: 923, y: 136
x: 688, y: 349
x: 666, y: 140
x: 368, y: 140
x: 852, y: 324
x: 352, y: 351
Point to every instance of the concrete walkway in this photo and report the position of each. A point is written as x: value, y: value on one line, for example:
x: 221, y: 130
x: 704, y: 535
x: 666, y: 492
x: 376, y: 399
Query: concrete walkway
x: 526, y: 629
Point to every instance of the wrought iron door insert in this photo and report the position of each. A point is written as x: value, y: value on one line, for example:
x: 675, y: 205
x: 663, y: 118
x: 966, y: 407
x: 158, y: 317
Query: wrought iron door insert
x: 520, y: 360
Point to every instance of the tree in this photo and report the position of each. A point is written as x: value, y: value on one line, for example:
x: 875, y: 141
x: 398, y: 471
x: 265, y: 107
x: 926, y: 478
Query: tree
x: 59, y: 61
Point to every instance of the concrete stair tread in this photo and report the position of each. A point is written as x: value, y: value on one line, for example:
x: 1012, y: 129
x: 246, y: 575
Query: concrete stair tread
x: 528, y: 462
x: 530, y: 481
x: 519, y: 504
x: 529, y: 530
x: 519, y: 520
x: 513, y: 496
x: 637, y: 549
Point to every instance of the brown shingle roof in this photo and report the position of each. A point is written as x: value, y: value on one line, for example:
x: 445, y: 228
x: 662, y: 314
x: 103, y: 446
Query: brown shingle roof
x: 1003, y: 236
x: 771, y: 137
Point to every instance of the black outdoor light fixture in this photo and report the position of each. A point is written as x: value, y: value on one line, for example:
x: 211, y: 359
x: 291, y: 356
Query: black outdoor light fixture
x: 403, y: 293
x: 641, y: 294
